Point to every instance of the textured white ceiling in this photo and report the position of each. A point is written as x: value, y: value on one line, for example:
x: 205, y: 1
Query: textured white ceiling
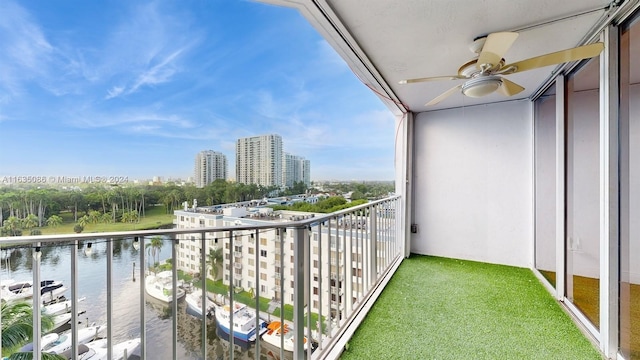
x: 419, y: 38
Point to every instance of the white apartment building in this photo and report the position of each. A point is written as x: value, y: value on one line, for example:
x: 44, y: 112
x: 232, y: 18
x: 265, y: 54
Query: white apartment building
x: 306, y: 172
x: 295, y: 169
x: 275, y: 258
x: 209, y: 166
x: 259, y: 160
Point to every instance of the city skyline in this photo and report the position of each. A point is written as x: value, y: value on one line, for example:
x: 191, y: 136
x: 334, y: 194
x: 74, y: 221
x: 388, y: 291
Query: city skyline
x: 135, y: 90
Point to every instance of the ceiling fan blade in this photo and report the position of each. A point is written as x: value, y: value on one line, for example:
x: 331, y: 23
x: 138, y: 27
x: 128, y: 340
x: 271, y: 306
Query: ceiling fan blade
x: 435, y: 78
x: 573, y: 54
x: 495, y: 47
x: 509, y: 88
x: 444, y: 95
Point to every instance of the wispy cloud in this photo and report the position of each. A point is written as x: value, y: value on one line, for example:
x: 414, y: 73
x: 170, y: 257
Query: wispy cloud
x: 114, y: 92
x: 25, y: 49
x: 158, y: 73
x: 145, y: 49
x: 119, y: 119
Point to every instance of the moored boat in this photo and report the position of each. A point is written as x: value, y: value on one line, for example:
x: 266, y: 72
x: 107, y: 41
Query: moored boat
x: 85, y: 335
x: 97, y: 350
x: 194, y: 302
x: 160, y: 286
x: 280, y: 335
x: 50, y: 290
x: 244, y: 321
x: 58, y: 308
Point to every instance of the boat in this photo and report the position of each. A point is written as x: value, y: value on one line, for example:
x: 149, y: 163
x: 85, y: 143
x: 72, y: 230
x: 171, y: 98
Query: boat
x: 85, y: 335
x: 44, y: 341
x: 194, y: 303
x: 60, y: 307
x: 277, y: 335
x: 160, y: 286
x: 244, y: 321
x: 97, y: 350
x: 60, y: 319
x: 50, y: 290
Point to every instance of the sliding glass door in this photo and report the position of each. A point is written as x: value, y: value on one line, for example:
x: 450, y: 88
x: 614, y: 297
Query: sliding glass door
x: 582, y: 190
x: 544, y: 128
x: 630, y: 190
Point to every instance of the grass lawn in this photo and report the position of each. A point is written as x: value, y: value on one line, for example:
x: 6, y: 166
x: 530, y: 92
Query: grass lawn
x: 155, y: 217
x: 439, y: 308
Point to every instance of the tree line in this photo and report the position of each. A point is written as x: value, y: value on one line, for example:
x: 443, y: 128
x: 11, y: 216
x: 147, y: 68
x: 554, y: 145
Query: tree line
x: 28, y: 208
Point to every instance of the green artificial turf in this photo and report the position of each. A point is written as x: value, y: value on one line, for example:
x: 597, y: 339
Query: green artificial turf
x: 440, y: 308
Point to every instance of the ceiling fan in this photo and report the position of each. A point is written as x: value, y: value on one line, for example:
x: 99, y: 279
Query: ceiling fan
x: 484, y: 74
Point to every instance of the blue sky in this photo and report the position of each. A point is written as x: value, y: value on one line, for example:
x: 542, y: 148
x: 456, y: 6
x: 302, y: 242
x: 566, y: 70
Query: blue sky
x: 136, y: 89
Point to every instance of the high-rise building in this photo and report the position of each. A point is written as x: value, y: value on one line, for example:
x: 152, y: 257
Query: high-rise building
x: 209, y: 166
x: 306, y: 172
x: 295, y: 169
x: 259, y: 160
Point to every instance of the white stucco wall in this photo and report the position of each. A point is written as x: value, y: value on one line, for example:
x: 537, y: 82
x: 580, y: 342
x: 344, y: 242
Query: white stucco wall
x: 473, y: 183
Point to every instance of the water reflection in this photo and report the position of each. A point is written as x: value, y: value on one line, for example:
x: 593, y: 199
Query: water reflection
x: 127, y: 290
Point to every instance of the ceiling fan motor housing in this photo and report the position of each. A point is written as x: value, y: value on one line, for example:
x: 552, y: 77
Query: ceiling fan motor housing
x: 481, y: 86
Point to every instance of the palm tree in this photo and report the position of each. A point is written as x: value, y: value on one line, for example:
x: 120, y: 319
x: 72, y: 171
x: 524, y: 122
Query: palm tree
x: 30, y: 222
x: 54, y: 221
x: 214, y: 258
x: 94, y: 216
x: 84, y: 221
x: 12, y: 225
x: 153, y: 248
x: 17, y: 329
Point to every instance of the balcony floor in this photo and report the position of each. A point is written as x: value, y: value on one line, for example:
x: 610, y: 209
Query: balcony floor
x: 439, y: 308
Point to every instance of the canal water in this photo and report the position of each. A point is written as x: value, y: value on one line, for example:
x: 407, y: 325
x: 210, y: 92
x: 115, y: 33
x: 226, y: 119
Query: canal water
x: 92, y: 270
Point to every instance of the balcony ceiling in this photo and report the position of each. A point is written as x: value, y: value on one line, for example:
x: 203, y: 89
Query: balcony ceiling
x: 386, y: 41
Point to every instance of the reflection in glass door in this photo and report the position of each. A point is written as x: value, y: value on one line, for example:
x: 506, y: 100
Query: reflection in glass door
x: 582, y: 238
x: 545, y: 184
x: 630, y: 190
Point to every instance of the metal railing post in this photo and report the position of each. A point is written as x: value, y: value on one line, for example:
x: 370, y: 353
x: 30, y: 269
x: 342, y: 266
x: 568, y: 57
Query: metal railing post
x: 299, y: 267
x: 143, y: 320
x: 203, y: 283
x: 174, y: 294
x: 231, y: 288
x: 37, y: 303
x: 373, y: 249
x: 74, y: 299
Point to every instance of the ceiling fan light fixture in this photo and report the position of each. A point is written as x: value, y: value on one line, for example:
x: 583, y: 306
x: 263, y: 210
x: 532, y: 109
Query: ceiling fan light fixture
x: 482, y: 86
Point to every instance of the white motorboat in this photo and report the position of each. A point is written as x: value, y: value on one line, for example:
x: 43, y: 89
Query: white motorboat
x: 50, y: 290
x: 244, y: 321
x: 59, y: 307
x: 44, y: 341
x: 97, y: 350
x: 85, y: 335
x: 278, y: 335
x: 194, y: 302
x: 160, y: 286
x: 60, y: 319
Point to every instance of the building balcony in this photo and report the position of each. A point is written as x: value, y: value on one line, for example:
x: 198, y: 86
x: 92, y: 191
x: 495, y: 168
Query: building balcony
x: 464, y: 308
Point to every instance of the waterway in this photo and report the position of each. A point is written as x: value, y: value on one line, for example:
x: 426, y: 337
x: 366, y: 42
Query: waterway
x: 92, y: 278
